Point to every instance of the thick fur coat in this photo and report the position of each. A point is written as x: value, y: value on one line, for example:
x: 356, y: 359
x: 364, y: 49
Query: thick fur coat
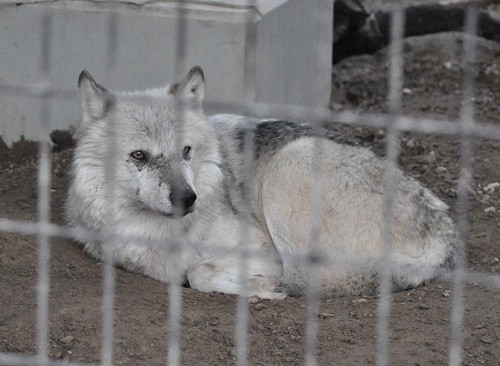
x: 175, y: 187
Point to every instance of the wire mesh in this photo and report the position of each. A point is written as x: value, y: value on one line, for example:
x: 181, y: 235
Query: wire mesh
x: 394, y: 122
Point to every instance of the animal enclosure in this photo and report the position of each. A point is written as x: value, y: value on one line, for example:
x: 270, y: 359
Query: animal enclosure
x: 431, y: 103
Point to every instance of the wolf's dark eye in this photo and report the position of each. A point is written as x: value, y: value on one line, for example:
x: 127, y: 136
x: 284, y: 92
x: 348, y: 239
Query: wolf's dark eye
x: 138, y: 155
x: 186, y: 152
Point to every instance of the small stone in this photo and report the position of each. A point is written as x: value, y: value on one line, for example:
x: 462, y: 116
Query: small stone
x: 69, y: 352
x: 423, y: 306
x: 325, y: 314
x: 486, y: 198
x: 491, y: 187
x: 337, y: 106
x: 429, y: 158
x: 407, y: 91
x: 410, y: 142
x: 489, y: 209
x: 487, y: 340
x: 359, y: 301
x: 496, y: 260
x: 259, y: 306
x: 67, y: 339
x: 448, y: 65
x: 447, y: 293
x: 441, y: 169
x: 254, y: 299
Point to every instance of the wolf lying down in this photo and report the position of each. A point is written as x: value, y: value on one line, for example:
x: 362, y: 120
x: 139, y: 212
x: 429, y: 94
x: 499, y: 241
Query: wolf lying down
x: 187, y: 171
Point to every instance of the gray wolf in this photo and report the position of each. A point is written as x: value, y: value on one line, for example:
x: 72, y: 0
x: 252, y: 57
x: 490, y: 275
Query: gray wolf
x: 179, y: 177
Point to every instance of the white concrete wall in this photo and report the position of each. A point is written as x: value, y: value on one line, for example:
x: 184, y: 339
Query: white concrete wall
x: 293, y: 54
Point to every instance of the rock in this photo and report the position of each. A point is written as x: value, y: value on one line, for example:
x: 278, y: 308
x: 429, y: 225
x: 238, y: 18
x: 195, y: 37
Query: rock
x: 491, y: 187
x: 486, y: 198
x: 487, y: 340
x: 410, y: 142
x: 359, y: 301
x: 407, y: 91
x: 325, y: 314
x: 66, y: 340
x: 337, y: 106
x: 447, y: 293
x: 489, y: 209
x: 429, y: 158
x: 259, y: 306
x: 441, y: 169
x: 423, y: 306
x: 254, y: 299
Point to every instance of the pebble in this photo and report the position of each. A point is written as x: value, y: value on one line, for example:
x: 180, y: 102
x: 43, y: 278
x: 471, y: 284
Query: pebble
x: 324, y: 314
x: 254, y: 299
x: 447, y: 293
x: 441, y: 169
x: 430, y: 158
x: 423, y: 306
x: 359, y: 301
x: 337, y: 106
x: 259, y: 306
x: 407, y: 91
x: 491, y: 187
x: 490, y: 209
x: 486, y: 340
x: 67, y: 339
x: 486, y: 198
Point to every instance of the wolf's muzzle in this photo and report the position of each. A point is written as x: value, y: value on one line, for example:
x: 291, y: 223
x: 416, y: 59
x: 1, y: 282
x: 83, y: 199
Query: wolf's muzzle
x: 182, y: 198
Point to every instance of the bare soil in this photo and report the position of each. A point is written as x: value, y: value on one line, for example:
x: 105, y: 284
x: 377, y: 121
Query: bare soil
x: 420, y: 321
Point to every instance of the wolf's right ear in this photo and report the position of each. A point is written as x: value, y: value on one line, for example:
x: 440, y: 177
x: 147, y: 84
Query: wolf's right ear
x: 96, y: 100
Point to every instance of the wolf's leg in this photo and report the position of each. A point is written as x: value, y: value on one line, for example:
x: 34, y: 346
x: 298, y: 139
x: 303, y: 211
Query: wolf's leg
x: 223, y: 273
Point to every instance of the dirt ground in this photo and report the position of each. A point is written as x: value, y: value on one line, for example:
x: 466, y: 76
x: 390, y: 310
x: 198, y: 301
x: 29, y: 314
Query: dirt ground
x: 420, y: 321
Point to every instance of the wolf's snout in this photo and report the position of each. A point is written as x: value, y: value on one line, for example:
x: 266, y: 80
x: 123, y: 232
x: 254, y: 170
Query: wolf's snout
x: 182, y: 198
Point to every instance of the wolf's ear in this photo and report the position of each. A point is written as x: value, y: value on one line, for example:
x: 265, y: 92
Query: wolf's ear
x: 96, y: 100
x: 193, y: 85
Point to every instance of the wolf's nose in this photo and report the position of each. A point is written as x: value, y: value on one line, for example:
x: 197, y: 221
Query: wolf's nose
x: 183, y: 198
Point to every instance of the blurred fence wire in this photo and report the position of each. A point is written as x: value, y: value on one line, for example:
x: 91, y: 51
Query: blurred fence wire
x: 394, y: 122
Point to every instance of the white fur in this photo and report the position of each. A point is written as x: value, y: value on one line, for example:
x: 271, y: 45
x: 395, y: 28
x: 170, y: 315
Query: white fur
x: 206, y: 246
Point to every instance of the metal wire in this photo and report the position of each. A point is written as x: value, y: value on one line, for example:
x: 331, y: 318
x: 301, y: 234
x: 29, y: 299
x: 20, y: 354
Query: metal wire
x: 242, y: 310
x: 175, y: 289
x: 109, y: 272
x: 466, y: 127
x: 43, y: 199
x: 392, y: 151
x: 467, y: 122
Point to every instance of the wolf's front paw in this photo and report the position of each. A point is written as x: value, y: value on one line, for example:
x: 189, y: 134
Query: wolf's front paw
x: 266, y: 287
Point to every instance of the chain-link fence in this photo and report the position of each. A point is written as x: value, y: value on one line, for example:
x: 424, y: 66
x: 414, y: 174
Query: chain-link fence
x: 394, y: 122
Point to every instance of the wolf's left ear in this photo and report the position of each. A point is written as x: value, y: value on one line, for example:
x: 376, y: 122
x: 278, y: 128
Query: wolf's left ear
x: 96, y: 100
x: 193, y: 85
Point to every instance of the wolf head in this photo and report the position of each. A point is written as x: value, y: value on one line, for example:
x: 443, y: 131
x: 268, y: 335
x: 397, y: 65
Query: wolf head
x: 156, y: 142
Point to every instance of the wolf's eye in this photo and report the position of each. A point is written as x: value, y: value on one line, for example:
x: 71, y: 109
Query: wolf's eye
x: 186, y: 152
x: 138, y: 155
